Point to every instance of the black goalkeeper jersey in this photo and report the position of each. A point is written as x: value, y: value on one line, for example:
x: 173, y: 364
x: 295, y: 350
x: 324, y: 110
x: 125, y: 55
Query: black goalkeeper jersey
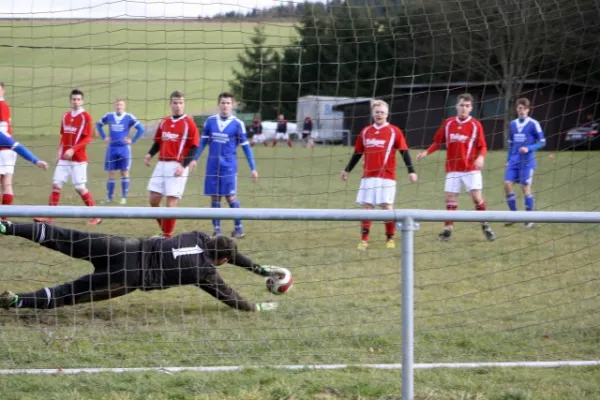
x: 180, y: 260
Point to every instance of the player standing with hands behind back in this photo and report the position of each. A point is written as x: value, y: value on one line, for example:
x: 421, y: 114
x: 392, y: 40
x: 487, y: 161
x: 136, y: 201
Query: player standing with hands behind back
x: 223, y: 133
x: 378, y: 143
x: 465, y: 153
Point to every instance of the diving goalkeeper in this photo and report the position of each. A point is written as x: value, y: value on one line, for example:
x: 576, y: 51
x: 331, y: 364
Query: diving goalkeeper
x: 123, y: 265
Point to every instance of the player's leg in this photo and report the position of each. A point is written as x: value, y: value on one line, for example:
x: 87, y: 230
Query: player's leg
x: 526, y: 186
x: 229, y: 188
x: 366, y: 199
x: 211, y: 188
x: 511, y: 175
x: 125, y: 184
x: 174, y: 189
x: 474, y: 184
x: 452, y: 188
x: 289, y: 141
x: 62, y: 173
x: 214, y: 285
x: 8, y: 159
x: 277, y: 136
x: 385, y: 195
x: 79, y: 179
x: 124, y: 165
x: 110, y: 168
x: 156, y: 188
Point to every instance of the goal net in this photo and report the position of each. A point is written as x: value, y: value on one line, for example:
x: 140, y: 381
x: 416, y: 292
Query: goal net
x: 530, y: 295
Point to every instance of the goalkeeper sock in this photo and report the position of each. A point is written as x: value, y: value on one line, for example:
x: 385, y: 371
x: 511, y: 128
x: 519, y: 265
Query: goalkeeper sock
x: 511, y: 200
x: 234, y: 203
x: 110, y: 189
x: 365, y: 227
x: 216, y: 222
x: 529, y: 202
x: 125, y: 187
x: 390, y: 229
x: 54, y: 196
x: 450, y: 206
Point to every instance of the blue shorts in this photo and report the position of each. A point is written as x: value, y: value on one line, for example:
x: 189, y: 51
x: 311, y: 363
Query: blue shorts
x: 522, y: 175
x: 118, y: 158
x: 215, y: 185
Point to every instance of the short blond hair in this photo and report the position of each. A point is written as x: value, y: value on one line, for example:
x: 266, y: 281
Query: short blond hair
x: 379, y: 103
x: 119, y: 99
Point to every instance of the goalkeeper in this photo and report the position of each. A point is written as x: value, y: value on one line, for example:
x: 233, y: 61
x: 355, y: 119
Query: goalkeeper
x: 123, y: 265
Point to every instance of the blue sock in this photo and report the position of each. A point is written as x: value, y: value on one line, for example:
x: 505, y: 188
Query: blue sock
x: 216, y: 222
x: 238, y: 222
x: 110, y: 188
x: 529, y: 203
x: 511, y: 200
x: 125, y: 187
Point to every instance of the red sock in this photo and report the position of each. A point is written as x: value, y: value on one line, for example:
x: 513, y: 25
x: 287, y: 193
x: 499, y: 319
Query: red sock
x: 159, y: 222
x: 290, y: 143
x: 390, y: 229
x: 7, y: 198
x: 54, y: 197
x: 168, y: 226
x: 274, y: 143
x: 450, y: 206
x: 365, y: 227
x: 481, y: 206
x: 88, y: 199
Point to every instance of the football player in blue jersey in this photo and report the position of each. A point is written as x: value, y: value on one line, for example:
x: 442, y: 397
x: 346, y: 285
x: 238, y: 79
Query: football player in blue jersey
x: 525, y: 137
x: 223, y: 133
x: 118, y: 153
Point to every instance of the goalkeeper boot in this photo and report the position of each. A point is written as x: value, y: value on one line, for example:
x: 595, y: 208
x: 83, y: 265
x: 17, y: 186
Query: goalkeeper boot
x: 362, y: 245
x: 238, y: 235
x: 487, y: 231
x: 8, y: 299
x: 3, y: 226
x: 390, y: 243
x: 445, y: 235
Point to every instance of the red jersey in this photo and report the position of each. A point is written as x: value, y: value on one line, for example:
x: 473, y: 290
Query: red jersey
x: 378, y: 145
x: 465, y: 141
x: 5, y: 123
x: 176, y: 137
x: 76, y: 133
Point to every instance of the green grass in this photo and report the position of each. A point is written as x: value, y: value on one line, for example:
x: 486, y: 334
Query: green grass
x: 41, y: 61
x: 530, y: 295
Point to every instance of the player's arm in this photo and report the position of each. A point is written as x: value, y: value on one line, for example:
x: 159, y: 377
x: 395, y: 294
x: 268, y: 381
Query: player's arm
x: 139, y: 129
x: 438, y: 139
x: 7, y: 141
x: 540, y: 139
x: 86, y: 134
x: 359, y: 149
x: 245, y: 262
x: 246, y: 146
x: 191, y: 144
x: 155, y: 148
x: 204, y: 140
x: 100, y: 126
x: 510, y: 142
x: 402, y: 147
x: 481, y: 144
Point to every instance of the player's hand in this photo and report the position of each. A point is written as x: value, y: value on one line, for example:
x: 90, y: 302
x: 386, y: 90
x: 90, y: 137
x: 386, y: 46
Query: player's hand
x: 193, y: 165
x: 127, y: 140
x: 266, y: 306
x: 68, y: 154
x: 421, y: 155
x: 147, y: 159
x: 42, y: 164
x: 523, y: 150
x: 106, y: 139
x: 271, y: 270
x: 412, y: 178
x: 254, y: 175
x: 344, y: 175
x: 478, y: 164
x: 179, y: 170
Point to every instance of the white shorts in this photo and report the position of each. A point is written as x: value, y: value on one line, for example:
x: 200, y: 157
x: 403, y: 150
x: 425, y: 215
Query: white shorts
x: 165, y: 182
x: 472, y: 180
x: 282, y: 136
x: 376, y: 191
x: 8, y: 159
x: 77, y: 171
x: 259, y: 138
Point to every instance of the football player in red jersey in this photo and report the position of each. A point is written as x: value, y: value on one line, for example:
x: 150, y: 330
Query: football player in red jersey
x: 176, y: 141
x: 8, y: 158
x: 76, y: 131
x: 465, y: 152
x: 378, y: 143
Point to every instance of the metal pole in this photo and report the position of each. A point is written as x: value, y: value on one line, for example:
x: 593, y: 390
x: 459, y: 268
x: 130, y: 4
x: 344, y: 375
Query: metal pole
x: 408, y: 232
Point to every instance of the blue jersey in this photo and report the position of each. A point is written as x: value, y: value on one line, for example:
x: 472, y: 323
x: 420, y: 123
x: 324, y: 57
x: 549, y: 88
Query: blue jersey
x: 119, y: 126
x: 524, y: 133
x: 223, y: 135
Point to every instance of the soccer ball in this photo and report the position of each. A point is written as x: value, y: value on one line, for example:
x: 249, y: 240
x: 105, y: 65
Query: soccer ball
x: 280, y: 284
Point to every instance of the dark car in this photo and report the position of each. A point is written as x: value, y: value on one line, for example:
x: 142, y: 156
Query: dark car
x: 585, y: 137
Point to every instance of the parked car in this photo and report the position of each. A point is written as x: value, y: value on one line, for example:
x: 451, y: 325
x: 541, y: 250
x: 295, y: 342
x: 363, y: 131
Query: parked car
x: 585, y: 137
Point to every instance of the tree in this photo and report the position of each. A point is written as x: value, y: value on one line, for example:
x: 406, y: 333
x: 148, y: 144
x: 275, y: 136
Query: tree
x: 507, y: 41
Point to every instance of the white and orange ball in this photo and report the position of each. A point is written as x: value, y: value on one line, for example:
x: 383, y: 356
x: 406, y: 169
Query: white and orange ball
x: 281, y: 283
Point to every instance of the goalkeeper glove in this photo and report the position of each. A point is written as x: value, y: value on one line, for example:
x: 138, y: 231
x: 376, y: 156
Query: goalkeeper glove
x: 270, y: 270
x: 266, y: 306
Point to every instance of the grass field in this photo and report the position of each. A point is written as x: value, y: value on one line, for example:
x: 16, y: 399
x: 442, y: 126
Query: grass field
x: 143, y: 61
x: 530, y: 295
